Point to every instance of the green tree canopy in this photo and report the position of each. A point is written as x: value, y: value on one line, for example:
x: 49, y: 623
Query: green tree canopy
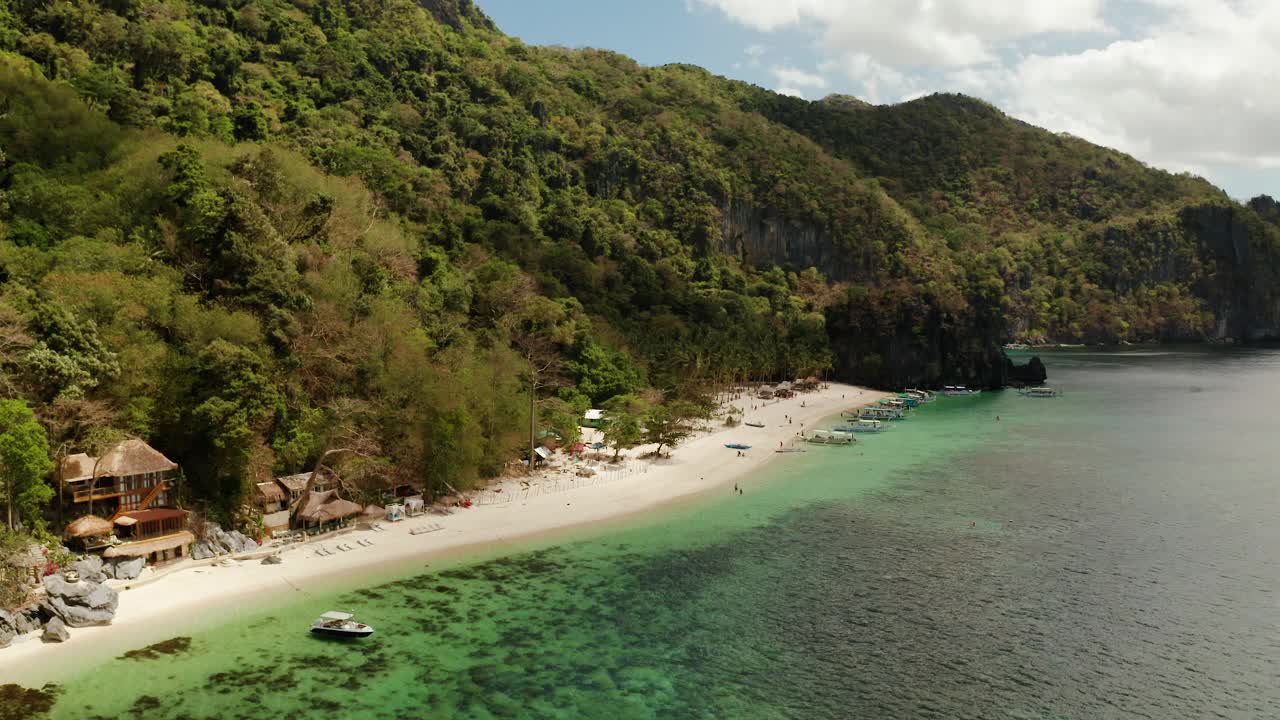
x: 24, y: 465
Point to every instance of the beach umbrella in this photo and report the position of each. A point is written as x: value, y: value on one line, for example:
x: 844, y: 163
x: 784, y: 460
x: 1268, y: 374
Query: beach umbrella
x: 89, y: 526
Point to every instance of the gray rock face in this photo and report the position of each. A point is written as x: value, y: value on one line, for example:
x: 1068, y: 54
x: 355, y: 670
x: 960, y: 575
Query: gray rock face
x: 57, y: 586
x: 27, y: 621
x: 202, y: 551
x: 56, y: 631
x: 222, y: 542
x: 8, y: 628
x: 80, y: 604
x: 90, y: 568
x: 128, y: 569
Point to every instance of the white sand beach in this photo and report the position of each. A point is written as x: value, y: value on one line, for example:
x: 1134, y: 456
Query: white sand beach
x: 185, y: 598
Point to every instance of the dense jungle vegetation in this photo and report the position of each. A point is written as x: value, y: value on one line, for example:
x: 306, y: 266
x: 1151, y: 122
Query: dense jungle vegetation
x: 251, y: 231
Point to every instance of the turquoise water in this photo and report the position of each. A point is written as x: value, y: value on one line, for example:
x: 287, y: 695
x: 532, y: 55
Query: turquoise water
x: 1120, y: 563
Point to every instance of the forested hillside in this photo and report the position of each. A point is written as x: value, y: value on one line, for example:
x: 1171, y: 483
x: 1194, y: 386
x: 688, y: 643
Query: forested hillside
x: 251, y: 231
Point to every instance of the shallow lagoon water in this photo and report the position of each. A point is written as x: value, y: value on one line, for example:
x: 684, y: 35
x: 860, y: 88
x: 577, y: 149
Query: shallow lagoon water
x: 1120, y: 565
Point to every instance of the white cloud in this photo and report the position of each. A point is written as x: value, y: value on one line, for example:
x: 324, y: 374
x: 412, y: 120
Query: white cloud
x: 1188, y: 85
x: 1194, y: 93
x: 796, y: 77
x: 918, y: 32
x: 796, y: 82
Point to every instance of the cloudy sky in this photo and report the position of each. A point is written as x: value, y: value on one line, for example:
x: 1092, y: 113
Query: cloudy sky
x: 1181, y: 84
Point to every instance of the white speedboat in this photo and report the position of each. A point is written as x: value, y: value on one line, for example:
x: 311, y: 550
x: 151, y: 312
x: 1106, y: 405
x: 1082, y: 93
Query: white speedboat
x: 340, y: 625
x: 1040, y: 392
x: 958, y: 391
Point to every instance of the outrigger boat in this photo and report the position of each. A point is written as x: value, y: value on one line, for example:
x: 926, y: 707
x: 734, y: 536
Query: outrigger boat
x: 1040, y: 392
x: 862, y: 426
x: 340, y: 625
x: 876, y: 412
x: 830, y: 437
x: 910, y: 401
x: 958, y: 391
x: 895, y: 403
x: 754, y: 424
x: 737, y: 446
x: 923, y: 395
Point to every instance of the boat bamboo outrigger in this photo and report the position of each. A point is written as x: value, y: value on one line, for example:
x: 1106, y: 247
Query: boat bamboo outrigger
x: 1040, y: 392
x: 958, y: 391
x: 876, y: 412
x: 862, y: 425
x: 830, y: 437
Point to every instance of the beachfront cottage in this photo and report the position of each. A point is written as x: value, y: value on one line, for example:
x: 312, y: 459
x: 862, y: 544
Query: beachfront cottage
x: 130, y: 476
x: 295, y: 485
x: 158, y: 535
x: 593, y: 418
x: 270, y: 497
x: 324, y: 510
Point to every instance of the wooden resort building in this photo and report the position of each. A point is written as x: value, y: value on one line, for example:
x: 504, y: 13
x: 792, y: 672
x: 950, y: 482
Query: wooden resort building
x: 125, y: 498
x: 295, y: 485
x: 130, y: 476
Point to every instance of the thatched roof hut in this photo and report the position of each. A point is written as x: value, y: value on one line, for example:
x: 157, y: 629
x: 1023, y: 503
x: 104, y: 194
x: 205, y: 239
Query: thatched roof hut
x: 373, y: 512
x: 323, y: 507
x: 129, y: 458
x: 88, y: 526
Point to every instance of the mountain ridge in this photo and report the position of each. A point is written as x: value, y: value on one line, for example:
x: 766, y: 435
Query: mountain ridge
x: 260, y: 229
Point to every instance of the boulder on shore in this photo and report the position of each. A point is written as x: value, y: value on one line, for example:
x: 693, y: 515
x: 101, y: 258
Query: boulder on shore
x: 80, y: 604
x: 90, y: 568
x: 56, y: 631
x: 222, y: 542
x: 127, y: 568
x: 27, y: 620
x: 8, y: 628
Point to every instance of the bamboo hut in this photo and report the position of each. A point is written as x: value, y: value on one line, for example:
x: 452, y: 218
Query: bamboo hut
x: 91, y: 530
x: 324, y: 508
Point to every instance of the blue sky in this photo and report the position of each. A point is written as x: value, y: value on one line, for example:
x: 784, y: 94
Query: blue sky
x: 1186, y: 85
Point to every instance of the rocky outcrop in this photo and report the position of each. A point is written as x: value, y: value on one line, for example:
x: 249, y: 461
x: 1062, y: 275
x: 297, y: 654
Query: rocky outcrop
x: 762, y: 237
x: 124, y: 568
x: 56, y: 631
x: 221, y: 542
x: 1032, y: 373
x: 8, y: 628
x: 272, y: 560
x: 90, y: 568
x: 80, y: 604
x: 27, y: 620
x: 1242, y: 274
x: 453, y: 12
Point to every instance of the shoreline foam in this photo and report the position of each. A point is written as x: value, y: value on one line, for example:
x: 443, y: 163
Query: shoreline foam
x: 194, y: 597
